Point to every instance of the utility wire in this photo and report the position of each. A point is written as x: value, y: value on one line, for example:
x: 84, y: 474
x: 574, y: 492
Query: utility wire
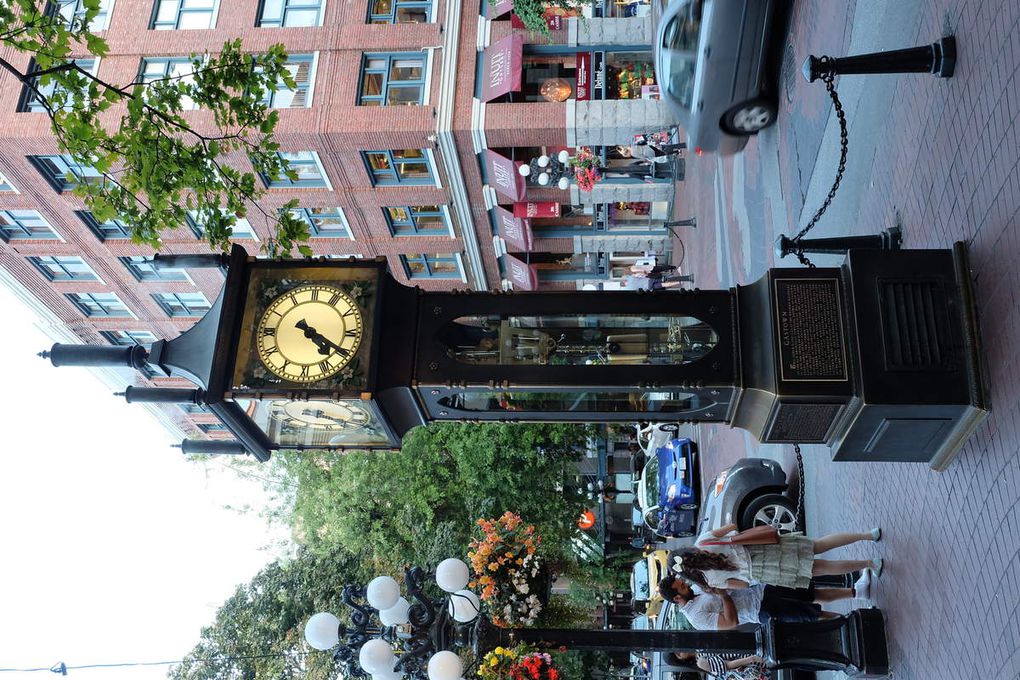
x: 62, y: 668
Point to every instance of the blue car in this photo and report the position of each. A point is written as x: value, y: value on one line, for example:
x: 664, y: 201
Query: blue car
x: 668, y: 493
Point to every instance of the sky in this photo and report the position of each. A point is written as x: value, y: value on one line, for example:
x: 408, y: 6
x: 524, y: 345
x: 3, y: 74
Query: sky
x: 113, y: 547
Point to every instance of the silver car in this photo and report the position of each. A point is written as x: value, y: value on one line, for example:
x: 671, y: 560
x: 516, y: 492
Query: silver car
x: 750, y: 493
x: 711, y: 59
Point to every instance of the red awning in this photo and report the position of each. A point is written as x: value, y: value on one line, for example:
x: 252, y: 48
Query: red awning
x: 522, y: 274
x: 516, y: 232
x: 503, y: 175
x: 501, y: 67
x: 540, y: 209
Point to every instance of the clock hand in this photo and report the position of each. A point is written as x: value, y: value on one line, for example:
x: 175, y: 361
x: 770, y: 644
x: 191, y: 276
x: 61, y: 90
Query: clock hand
x: 325, y: 345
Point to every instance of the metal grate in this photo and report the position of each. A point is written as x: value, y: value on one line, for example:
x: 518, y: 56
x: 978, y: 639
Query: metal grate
x: 915, y: 325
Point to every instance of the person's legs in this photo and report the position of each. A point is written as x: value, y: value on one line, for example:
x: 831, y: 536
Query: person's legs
x: 833, y: 594
x: 826, y: 543
x: 788, y: 604
x: 836, y: 567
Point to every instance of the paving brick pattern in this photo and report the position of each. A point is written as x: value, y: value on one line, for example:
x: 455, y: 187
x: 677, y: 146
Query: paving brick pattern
x: 945, y: 164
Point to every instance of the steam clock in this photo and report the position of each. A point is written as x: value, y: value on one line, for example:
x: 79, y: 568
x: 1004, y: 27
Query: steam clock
x: 878, y: 358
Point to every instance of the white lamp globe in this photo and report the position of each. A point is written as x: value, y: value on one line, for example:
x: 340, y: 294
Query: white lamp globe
x: 564, y: 183
x: 376, y: 656
x: 563, y: 156
x: 395, y: 615
x: 387, y: 675
x: 543, y: 179
x: 383, y: 592
x: 322, y: 631
x: 452, y: 575
x: 445, y: 666
x: 464, y: 606
x: 543, y: 161
x: 525, y: 170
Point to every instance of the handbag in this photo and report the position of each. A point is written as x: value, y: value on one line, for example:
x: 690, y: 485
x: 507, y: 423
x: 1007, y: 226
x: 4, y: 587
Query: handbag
x: 760, y: 535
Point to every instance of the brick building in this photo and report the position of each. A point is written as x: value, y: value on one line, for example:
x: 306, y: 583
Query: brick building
x: 407, y: 128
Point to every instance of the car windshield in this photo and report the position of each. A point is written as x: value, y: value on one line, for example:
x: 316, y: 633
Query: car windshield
x: 681, y: 33
x: 651, y: 477
x: 680, y: 80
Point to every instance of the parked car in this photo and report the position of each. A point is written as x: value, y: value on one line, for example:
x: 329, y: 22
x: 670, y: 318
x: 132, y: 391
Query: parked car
x: 750, y: 493
x: 711, y: 58
x: 658, y: 565
x: 668, y: 491
x: 640, y: 586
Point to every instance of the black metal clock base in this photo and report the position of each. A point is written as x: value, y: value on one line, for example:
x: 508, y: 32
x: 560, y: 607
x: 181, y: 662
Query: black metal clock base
x: 854, y: 644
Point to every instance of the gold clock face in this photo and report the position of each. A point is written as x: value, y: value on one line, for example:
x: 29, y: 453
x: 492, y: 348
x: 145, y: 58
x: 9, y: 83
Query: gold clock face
x: 321, y: 415
x: 309, y: 333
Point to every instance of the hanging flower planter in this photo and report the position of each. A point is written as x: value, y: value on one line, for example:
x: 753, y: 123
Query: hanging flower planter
x: 506, y: 566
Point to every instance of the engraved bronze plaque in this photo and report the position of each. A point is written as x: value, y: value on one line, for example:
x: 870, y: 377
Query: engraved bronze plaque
x: 809, y: 330
x: 804, y: 423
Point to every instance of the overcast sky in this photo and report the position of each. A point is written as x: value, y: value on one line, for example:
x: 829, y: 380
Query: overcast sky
x: 113, y: 547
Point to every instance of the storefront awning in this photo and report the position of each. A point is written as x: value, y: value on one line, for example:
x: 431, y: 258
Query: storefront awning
x: 522, y: 274
x: 516, y: 232
x: 540, y: 209
x: 501, y: 67
x: 503, y: 176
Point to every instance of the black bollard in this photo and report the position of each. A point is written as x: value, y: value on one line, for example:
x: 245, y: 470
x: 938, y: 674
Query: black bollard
x: 689, y: 222
x: 938, y: 59
x: 889, y: 239
x: 213, y: 447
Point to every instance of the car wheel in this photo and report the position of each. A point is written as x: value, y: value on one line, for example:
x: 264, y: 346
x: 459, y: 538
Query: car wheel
x: 671, y: 428
x: 689, y: 506
x: 750, y: 117
x: 773, y: 510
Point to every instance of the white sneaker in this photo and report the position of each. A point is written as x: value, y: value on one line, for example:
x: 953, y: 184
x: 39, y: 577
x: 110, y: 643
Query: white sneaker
x: 879, y: 565
x: 862, y: 588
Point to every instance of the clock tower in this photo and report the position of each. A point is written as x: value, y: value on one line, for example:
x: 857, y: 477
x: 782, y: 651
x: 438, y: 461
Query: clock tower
x: 878, y: 358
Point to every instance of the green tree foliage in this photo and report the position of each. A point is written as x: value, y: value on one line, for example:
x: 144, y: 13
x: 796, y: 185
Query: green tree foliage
x: 259, y: 631
x: 154, y: 164
x: 419, y: 505
x: 532, y: 12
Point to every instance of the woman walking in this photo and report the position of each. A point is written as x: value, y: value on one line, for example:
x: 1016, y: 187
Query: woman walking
x: 790, y: 563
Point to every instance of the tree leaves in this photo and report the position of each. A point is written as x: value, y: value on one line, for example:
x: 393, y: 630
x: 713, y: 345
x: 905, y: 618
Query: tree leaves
x: 155, y: 165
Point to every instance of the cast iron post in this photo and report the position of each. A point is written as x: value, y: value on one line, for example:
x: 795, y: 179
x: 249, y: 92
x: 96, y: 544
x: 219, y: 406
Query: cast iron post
x: 889, y: 239
x: 938, y: 59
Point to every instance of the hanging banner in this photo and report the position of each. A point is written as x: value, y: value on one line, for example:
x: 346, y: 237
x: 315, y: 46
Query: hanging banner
x: 501, y: 67
x: 533, y: 210
x: 515, y: 231
x: 521, y: 274
x: 503, y: 176
x: 583, y: 85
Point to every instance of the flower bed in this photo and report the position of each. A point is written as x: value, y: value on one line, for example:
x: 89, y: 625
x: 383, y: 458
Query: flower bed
x: 508, y: 569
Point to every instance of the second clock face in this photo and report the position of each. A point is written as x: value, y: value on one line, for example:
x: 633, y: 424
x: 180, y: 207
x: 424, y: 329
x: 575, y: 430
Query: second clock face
x: 309, y: 333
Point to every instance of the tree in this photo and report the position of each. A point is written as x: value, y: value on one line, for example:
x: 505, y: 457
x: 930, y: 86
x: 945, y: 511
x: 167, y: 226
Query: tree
x: 141, y: 159
x: 419, y: 505
x: 259, y: 631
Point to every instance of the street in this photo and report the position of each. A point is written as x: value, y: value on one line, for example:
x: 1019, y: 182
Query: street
x: 939, y: 158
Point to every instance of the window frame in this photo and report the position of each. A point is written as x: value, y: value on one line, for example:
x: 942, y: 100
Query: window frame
x: 60, y: 182
x: 188, y: 312
x: 105, y: 10
x: 168, y: 63
x: 392, y: 176
x: 81, y: 305
x: 427, y: 260
x: 391, y: 16
x: 49, y: 264
x: 101, y: 231
x: 29, y: 103
x: 382, y: 98
x: 409, y: 227
x: 312, y: 58
x: 155, y: 25
x: 285, y: 182
x: 135, y: 266
x: 6, y: 186
x: 15, y: 219
x: 198, y: 228
x: 285, y: 6
x: 309, y: 217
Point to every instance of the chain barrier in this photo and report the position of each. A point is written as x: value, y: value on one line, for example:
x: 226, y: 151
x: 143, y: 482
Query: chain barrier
x: 829, y: 79
x: 800, y: 494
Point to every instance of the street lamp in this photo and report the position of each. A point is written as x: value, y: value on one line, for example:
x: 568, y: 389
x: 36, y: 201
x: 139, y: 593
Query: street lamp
x: 545, y: 170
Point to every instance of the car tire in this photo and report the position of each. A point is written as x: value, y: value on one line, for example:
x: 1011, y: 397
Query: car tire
x: 689, y: 506
x: 750, y: 117
x: 671, y: 428
x: 771, y: 509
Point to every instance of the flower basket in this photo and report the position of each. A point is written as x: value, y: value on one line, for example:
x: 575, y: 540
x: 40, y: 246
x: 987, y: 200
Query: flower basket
x: 587, y: 169
x: 518, y: 663
x: 508, y: 570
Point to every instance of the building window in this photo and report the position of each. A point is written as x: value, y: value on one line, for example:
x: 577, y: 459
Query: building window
x: 309, y: 171
x: 17, y: 225
x: 98, y: 305
x: 392, y: 79
x: 183, y: 14
x: 155, y: 69
x: 242, y: 227
x: 399, y: 166
x: 141, y: 268
x: 5, y: 185
x: 417, y: 220
x: 64, y: 268
x: 302, y: 70
x: 432, y: 266
x: 212, y: 427
x: 399, y: 11
x: 70, y: 11
x: 110, y: 229
x: 182, y: 304
x: 277, y: 13
x: 324, y: 222
x: 127, y: 338
x: 194, y: 408
x: 50, y: 92
x: 64, y: 173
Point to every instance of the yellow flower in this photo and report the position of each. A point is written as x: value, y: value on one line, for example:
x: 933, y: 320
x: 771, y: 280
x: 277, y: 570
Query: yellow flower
x: 494, y: 661
x: 499, y: 650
